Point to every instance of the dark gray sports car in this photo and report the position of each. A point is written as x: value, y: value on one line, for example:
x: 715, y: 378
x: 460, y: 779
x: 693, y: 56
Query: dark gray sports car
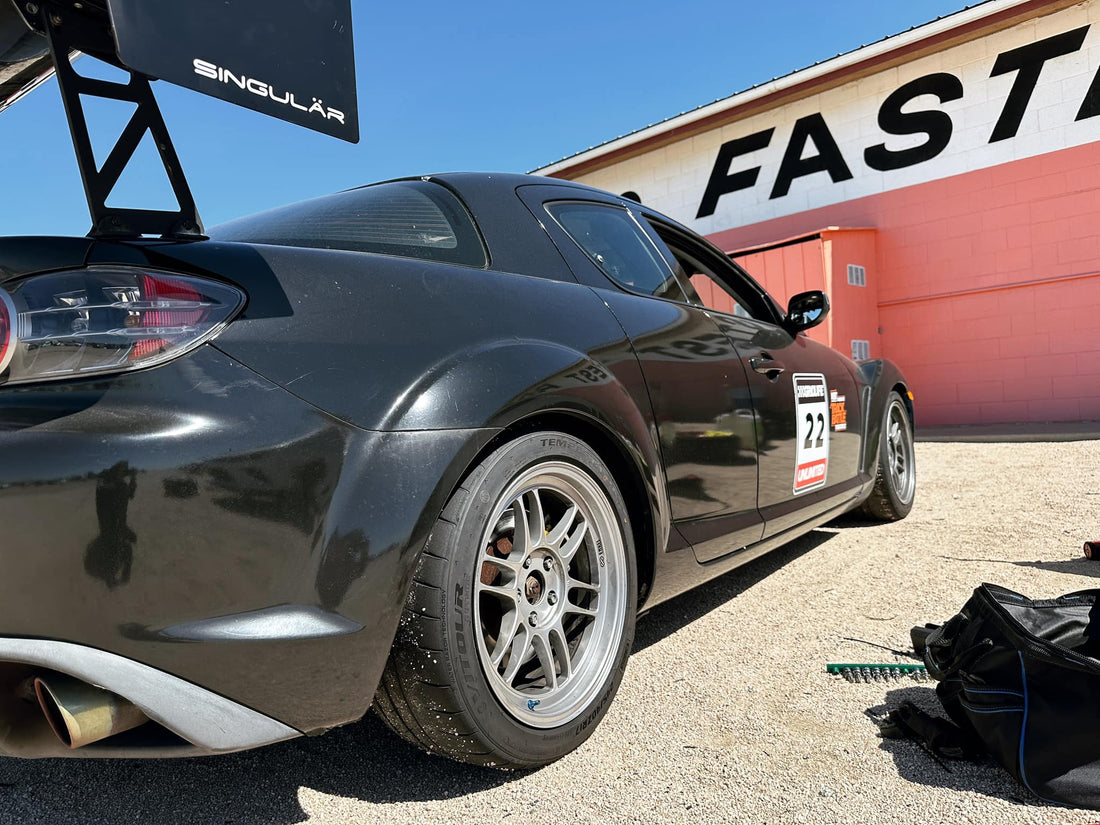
x: 429, y: 445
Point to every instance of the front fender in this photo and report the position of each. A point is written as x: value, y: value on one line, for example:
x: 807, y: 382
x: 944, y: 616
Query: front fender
x: 880, y: 376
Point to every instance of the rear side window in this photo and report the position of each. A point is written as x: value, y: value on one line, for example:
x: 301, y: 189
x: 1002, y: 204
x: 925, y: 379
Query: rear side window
x: 618, y: 246
x: 411, y: 219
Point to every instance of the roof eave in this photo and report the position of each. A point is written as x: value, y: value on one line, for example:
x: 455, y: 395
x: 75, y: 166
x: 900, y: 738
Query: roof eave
x: 960, y: 27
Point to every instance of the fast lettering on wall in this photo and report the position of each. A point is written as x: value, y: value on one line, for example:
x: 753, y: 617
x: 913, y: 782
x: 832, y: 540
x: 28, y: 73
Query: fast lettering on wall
x: 1015, y: 93
x: 812, y: 148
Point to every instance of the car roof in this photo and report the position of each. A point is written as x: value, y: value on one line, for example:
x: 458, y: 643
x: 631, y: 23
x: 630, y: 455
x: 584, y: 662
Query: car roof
x: 486, y: 182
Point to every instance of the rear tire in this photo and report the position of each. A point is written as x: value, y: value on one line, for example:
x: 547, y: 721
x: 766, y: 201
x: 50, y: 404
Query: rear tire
x: 517, y: 628
x: 896, y: 479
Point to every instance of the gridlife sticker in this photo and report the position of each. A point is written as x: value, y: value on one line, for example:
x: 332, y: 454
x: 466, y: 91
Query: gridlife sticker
x: 812, y: 418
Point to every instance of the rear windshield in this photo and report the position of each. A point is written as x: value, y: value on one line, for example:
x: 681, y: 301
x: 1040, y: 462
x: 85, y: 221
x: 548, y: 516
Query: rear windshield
x: 412, y: 219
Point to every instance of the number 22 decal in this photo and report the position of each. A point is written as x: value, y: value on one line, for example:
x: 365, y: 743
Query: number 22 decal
x: 810, y: 441
x: 811, y: 410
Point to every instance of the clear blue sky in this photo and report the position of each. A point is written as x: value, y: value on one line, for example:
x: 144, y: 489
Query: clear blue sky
x: 505, y: 86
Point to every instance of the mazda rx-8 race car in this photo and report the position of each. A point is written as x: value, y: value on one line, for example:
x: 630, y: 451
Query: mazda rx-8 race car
x: 429, y: 445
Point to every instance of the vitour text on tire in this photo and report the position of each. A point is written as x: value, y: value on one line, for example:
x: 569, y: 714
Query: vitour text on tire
x: 518, y: 625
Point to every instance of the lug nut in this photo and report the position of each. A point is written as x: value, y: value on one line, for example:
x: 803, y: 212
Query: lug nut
x: 547, y: 564
x: 527, y: 562
x: 552, y: 597
x: 533, y: 619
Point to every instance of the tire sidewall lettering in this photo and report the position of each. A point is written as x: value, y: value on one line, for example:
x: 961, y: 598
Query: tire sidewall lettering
x: 468, y: 675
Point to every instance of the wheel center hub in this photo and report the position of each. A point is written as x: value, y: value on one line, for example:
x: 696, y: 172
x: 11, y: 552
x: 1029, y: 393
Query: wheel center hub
x: 533, y: 588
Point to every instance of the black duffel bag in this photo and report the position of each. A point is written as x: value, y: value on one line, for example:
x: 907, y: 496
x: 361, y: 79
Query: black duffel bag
x: 1022, y: 676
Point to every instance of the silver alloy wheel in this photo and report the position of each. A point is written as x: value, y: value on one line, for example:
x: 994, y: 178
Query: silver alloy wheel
x: 550, y: 594
x: 900, y: 462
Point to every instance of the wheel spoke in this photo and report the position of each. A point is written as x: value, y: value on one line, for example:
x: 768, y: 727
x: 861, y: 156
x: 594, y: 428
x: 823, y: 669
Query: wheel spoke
x: 521, y: 651
x: 521, y: 540
x: 577, y: 583
x: 509, y: 625
x: 560, y: 647
x: 558, y: 531
x: 504, y: 563
x: 572, y: 607
x: 505, y: 592
x: 573, y: 543
x: 545, y: 654
x: 529, y: 514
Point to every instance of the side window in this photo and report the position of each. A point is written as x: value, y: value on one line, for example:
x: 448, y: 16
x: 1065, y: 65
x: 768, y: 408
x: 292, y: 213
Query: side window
x: 709, y: 290
x: 708, y: 282
x: 618, y: 246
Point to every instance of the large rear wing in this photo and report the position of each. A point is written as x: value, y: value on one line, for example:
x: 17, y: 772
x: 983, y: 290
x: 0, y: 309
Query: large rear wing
x: 25, y: 59
x: 291, y: 59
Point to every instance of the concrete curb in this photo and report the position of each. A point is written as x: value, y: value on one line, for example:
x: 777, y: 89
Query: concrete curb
x: 1032, y: 432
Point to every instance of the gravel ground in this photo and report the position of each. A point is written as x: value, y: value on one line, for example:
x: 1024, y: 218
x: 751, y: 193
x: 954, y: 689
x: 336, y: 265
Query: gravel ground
x: 725, y: 714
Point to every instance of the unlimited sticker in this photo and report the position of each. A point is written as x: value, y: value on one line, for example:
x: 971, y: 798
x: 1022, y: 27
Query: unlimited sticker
x: 813, y: 416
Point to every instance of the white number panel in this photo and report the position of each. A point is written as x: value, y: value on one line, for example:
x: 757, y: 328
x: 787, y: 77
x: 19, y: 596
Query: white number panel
x: 812, y: 417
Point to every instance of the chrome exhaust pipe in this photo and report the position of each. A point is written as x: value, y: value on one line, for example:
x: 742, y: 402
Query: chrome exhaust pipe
x: 81, y: 714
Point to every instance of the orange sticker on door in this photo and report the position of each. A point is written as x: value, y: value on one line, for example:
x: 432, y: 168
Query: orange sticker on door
x: 838, y: 412
x: 811, y: 411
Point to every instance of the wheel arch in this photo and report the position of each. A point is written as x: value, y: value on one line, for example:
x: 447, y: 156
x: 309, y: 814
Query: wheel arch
x: 907, y: 399
x: 638, y: 492
x: 521, y: 386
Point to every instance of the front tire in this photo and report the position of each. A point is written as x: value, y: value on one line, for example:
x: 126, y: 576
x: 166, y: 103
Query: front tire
x: 516, y: 631
x: 896, y: 480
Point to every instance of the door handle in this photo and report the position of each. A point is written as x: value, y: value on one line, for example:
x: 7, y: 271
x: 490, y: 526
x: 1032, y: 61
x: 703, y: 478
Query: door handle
x: 767, y: 366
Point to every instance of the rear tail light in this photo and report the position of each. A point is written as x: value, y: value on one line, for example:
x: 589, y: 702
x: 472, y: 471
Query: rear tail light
x: 106, y: 319
x: 7, y: 321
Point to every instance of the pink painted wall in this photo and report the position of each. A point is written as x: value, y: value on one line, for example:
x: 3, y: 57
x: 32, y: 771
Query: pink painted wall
x: 855, y: 308
x: 821, y: 262
x: 988, y: 286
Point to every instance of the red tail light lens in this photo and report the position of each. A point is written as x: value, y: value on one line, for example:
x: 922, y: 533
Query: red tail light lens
x: 107, y: 319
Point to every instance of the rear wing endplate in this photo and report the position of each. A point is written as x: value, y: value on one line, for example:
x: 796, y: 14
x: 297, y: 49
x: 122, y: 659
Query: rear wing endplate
x: 291, y: 59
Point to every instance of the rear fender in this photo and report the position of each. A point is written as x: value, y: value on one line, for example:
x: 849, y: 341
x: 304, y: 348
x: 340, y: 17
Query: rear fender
x: 502, y: 384
x: 498, y: 382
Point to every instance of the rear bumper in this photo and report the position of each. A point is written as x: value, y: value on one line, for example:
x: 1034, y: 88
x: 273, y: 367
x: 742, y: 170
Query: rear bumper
x: 202, y: 523
x: 186, y: 720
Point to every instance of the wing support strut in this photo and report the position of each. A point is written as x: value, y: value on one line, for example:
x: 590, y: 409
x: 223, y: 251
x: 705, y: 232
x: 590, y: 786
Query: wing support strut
x: 83, y: 28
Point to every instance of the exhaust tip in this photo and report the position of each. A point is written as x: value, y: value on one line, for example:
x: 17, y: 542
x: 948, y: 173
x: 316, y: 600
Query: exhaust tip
x: 80, y: 714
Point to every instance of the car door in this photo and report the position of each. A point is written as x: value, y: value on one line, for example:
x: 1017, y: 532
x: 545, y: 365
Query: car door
x: 695, y: 378
x: 804, y: 398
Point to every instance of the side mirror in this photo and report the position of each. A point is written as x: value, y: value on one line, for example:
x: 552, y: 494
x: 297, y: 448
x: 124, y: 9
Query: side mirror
x: 806, y: 310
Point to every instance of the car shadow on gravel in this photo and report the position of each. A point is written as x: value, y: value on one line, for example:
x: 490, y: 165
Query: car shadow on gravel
x: 1076, y: 566
x: 363, y: 761
x: 917, y: 765
x: 668, y: 617
x: 855, y: 519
